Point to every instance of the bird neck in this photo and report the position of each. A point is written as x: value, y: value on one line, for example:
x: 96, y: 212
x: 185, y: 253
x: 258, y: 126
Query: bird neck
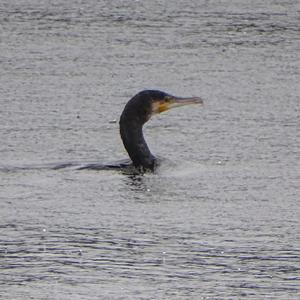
x: 135, y: 144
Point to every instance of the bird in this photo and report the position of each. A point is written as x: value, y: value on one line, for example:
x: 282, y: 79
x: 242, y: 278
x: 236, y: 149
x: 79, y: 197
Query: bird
x: 138, y: 110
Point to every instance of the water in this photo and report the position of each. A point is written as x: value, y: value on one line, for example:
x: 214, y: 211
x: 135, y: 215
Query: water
x: 219, y: 219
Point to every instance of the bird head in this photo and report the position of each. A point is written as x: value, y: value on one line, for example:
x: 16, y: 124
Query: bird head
x: 151, y: 102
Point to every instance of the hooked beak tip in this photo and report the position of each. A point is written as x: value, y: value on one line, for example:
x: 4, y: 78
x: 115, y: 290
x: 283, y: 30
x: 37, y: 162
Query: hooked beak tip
x: 198, y: 100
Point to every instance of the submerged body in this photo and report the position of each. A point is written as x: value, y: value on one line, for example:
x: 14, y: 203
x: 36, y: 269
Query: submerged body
x: 136, y: 113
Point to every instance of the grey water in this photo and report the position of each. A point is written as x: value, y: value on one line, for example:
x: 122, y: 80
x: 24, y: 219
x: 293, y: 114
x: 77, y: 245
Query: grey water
x: 219, y: 219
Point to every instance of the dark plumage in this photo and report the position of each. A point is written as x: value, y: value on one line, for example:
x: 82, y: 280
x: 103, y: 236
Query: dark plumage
x: 135, y: 114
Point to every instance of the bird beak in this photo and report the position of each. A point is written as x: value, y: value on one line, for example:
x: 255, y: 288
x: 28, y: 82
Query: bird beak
x: 172, y: 101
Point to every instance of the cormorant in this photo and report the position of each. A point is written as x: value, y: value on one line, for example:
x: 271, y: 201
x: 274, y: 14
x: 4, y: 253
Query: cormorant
x: 136, y: 113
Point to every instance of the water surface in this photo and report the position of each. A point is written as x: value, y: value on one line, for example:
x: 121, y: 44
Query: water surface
x: 218, y: 220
